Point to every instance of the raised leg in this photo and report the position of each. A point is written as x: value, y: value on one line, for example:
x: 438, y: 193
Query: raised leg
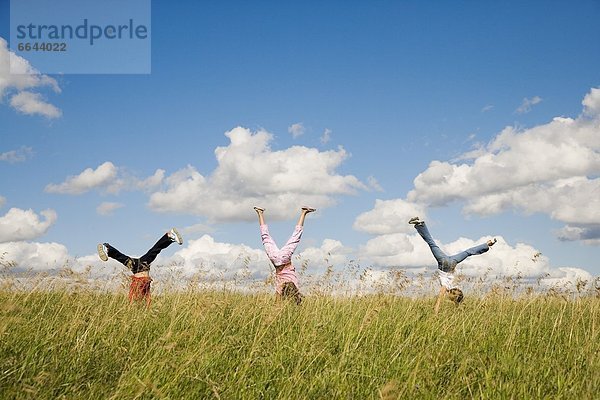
x: 473, y: 251
x: 117, y: 255
x: 270, y: 245
x: 160, y: 245
x: 305, y: 210
x: 439, y: 255
x: 290, y: 246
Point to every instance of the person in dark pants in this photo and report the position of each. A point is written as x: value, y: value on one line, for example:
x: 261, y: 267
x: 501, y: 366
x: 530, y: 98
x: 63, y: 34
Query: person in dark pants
x: 140, y: 267
x: 447, y: 264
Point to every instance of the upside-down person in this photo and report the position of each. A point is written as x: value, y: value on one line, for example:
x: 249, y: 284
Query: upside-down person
x: 447, y: 264
x: 286, y: 279
x: 140, y: 267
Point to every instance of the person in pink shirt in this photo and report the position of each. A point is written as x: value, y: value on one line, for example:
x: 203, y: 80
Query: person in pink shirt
x: 286, y: 279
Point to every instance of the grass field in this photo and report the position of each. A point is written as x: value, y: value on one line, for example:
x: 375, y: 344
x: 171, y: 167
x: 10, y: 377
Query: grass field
x: 228, y: 345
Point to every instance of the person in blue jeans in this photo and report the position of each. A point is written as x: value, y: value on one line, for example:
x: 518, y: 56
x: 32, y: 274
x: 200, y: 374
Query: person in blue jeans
x: 447, y: 264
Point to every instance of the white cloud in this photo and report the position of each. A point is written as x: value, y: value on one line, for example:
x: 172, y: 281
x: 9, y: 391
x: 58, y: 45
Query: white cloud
x: 552, y: 168
x: 326, y: 137
x: 591, y: 103
x: 330, y: 253
x: 588, y: 234
x: 19, y: 83
x: 389, y: 216
x: 33, y: 103
x: 19, y: 224
x: 209, y: 255
x: 15, y: 156
x: 2, y: 201
x: 108, y: 208
x: 242, y: 266
x: 374, y: 184
x: 35, y: 256
x: 296, y: 130
x: 250, y: 173
x: 526, y: 104
x: 410, y: 252
x: 89, y: 179
x: 106, y: 177
x: 487, y: 108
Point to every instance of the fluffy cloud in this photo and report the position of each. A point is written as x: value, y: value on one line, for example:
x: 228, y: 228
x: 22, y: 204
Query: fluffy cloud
x: 19, y: 83
x: 329, y: 253
x: 296, y: 130
x: 89, y: 179
x: 207, y: 254
x: 551, y: 168
x: 588, y: 234
x: 15, y: 156
x: 249, y: 173
x: 389, y: 216
x: 526, y: 105
x: 107, y: 208
x: 410, y: 252
x: 106, y: 177
x: 34, y: 256
x: 2, y: 201
x: 34, y: 103
x: 19, y: 224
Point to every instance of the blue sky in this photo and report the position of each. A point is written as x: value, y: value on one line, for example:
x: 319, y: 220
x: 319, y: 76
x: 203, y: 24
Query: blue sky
x: 396, y: 84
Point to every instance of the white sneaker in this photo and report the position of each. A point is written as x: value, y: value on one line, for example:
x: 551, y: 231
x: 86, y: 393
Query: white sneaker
x: 102, y: 252
x: 175, y: 236
x: 414, y: 220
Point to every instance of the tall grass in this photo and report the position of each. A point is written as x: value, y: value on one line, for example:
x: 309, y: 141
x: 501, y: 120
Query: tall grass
x: 230, y: 345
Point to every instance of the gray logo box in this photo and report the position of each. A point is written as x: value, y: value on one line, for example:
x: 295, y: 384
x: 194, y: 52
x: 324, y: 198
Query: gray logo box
x: 82, y: 36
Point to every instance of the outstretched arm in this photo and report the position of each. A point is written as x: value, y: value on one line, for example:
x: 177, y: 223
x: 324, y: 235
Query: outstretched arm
x: 441, y: 295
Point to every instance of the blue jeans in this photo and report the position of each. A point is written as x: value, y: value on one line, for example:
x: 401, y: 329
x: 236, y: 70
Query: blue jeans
x: 448, y: 263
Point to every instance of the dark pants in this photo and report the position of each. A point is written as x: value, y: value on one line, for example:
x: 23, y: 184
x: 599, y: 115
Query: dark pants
x: 143, y: 263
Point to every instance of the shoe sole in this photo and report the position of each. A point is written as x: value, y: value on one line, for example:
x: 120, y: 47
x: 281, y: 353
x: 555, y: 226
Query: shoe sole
x: 101, y: 253
x: 178, y: 237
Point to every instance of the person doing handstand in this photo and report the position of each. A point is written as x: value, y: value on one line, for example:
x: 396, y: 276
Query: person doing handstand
x: 447, y: 264
x: 140, y: 267
x: 286, y: 279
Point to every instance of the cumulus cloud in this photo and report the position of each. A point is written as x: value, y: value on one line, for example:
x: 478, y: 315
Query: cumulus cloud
x: 410, y: 252
x: 106, y: 177
x: 19, y: 224
x: 588, y: 234
x: 18, y: 78
x: 15, y: 156
x: 35, y: 256
x: 330, y: 253
x: 389, y: 216
x: 108, y: 208
x: 89, y: 179
x: 552, y: 168
x: 250, y: 173
x: 591, y: 103
x: 526, y: 104
x: 210, y: 255
x: 296, y: 129
x: 34, y: 103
